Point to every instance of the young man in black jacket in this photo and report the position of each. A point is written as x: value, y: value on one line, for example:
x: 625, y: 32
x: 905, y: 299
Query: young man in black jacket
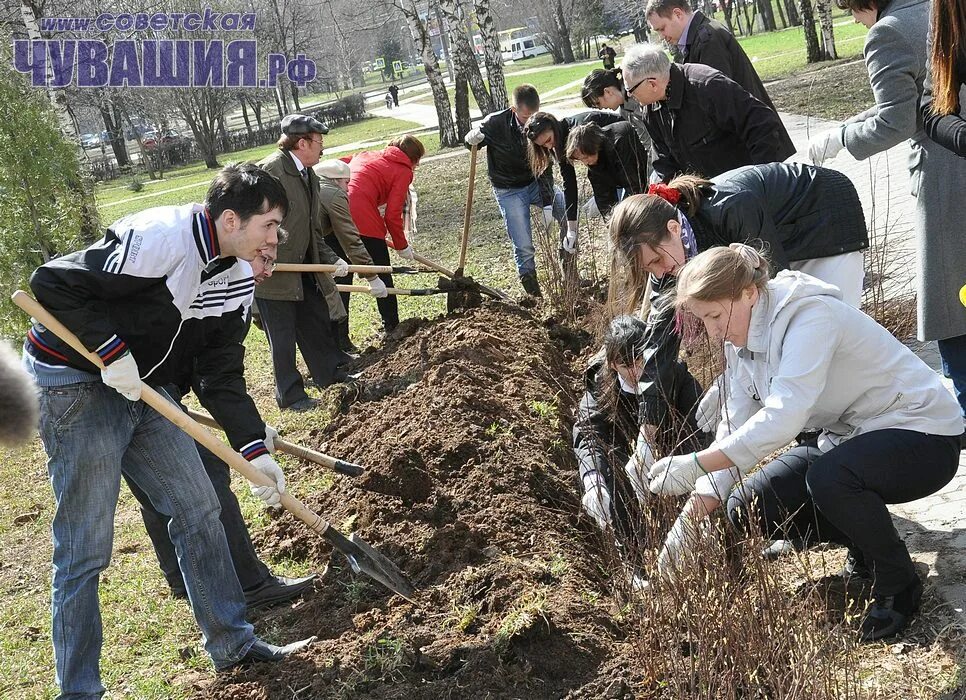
x: 616, y: 161
x: 701, y: 121
x: 695, y: 38
x: 514, y: 186
x: 143, y: 299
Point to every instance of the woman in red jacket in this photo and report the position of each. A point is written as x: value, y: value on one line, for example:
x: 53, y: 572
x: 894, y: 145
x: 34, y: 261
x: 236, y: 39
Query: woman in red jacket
x: 382, y: 178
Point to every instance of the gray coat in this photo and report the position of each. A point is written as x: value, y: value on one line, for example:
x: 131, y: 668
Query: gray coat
x: 895, y: 55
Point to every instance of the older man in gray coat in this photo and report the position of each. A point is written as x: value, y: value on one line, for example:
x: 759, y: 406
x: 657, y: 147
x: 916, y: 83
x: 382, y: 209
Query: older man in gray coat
x: 895, y: 54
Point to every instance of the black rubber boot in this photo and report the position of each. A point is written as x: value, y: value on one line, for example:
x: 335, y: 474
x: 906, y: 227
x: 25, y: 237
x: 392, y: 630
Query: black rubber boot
x: 530, y: 284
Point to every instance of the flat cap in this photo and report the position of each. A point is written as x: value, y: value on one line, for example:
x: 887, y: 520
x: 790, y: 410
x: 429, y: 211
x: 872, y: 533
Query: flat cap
x: 334, y: 169
x: 298, y: 124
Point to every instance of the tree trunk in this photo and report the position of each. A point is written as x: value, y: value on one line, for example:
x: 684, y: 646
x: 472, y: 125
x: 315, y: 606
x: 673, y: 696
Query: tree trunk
x: 295, y: 97
x: 461, y: 97
x: 824, y: 8
x: 781, y: 14
x: 749, y: 27
x: 464, y: 60
x: 563, y: 34
x: 447, y: 130
x: 767, y: 15
x: 244, y: 106
x: 257, y: 109
x: 444, y: 41
x: 812, y: 49
x: 115, y: 129
x: 278, y: 104
x: 492, y: 55
x: 792, y: 11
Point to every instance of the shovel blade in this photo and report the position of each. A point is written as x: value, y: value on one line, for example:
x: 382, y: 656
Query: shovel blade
x: 367, y: 560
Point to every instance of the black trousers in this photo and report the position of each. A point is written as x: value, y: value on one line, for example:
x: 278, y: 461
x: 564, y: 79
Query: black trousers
x: 249, y: 568
x: 840, y: 496
x: 305, y: 324
x: 379, y: 252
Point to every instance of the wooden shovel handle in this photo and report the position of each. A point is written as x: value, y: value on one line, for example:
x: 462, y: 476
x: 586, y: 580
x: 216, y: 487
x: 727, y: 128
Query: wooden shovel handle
x: 174, y: 414
x: 467, y: 214
x: 321, y: 267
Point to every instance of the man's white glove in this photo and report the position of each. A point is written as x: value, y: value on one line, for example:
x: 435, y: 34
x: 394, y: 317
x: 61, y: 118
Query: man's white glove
x: 123, y: 376
x: 637, y: 468
x: 407, y: 253
x: 596, y: 503
x: 474, y: 137
x: 341, y: 268
x: 675, y: 475
x: 378, y: 288
x: 267, y: 466
x: 826, y: 146
x: 570, y: 240
x: 270, y: 435
x: 678, y: 544
x: 547, y: 216
x: 708, y: 414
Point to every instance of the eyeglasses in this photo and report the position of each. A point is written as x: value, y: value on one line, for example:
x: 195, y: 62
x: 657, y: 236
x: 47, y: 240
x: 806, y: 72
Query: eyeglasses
x: 630, y: 91
x: 267, y: 263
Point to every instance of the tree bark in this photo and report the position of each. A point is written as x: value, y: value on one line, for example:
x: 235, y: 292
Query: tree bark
x: 111, y: 117
x: 793, y: 19
x: 423, y: 43
x: 812, y: 50
x: 824, y: 8
x: 444, y: 41
x: 242, y: 100
x: 492, y: 55
x: 781, y: 14
x: 563, y: 34
x: 767, y: 15
x: 461, y: 96
x: 464, y: 59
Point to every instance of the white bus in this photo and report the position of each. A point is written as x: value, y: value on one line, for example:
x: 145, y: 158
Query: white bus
x: 522, y: 47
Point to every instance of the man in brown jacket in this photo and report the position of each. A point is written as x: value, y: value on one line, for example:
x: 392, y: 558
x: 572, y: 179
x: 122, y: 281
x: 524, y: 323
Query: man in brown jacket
x: 342, y: 236
x: 298, y: 309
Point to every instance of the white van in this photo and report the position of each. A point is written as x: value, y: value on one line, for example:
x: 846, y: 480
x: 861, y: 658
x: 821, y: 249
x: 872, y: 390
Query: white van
x: 522, y: 47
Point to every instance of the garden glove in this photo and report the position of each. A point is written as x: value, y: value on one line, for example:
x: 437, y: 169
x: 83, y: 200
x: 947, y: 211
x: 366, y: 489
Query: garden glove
x: 407, y: 253
x: 826, y: 146
x: 123, y: 376
x: 708, y: 414
x: 474, y: 137
x: 637, y: 468
x: 341, y: 268
x: 570, y: 240
x: 270, y: 435
x: 547, y: 216
x: 269, y: 494
x: 678, y: 543
x: 675, y: 475
x: 596, y: 502
x: 378, y: 288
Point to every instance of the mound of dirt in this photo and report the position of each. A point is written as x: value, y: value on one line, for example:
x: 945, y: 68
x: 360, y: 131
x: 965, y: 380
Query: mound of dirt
x: 470, y: 490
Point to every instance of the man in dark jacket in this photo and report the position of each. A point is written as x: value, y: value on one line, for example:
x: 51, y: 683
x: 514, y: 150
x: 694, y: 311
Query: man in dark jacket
x: 616, y: 161
x: 514, y: 186
x: 300, y: 308
x: 700, y: 120
x: 143, y: 299
x: 607, y: 54
x: 695, y: 38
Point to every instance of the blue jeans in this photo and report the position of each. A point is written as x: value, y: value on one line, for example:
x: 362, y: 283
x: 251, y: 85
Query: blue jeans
x: 515, y: 206
x: 91, y: 435
x: 953, y: 354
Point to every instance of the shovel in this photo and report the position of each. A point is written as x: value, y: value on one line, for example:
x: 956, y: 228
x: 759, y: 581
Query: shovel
x: 362, y: 557
x: 468, y: 212
x: 347, y: 468
x: 357, y: 269
x: 469, y: 282
x: 365, y: 289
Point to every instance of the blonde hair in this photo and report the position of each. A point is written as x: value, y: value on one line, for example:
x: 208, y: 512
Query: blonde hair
x: 722, y: 273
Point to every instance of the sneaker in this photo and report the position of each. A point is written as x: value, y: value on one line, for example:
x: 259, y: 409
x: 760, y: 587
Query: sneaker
x: 277, y: 589
x: 855, y: 567
x: 302, y: 405
x: 261, y: 651
x: 530, y: 284
x: 890, y: 614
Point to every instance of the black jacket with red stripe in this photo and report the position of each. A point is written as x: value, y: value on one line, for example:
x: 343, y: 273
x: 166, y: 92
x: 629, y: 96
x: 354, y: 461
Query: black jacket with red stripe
x: 157, y: 286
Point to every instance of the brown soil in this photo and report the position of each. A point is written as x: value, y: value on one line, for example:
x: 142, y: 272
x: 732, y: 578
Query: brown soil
x: 469, y: 490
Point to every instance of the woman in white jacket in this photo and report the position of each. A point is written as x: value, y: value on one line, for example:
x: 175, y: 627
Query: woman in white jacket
x: 807, y: 361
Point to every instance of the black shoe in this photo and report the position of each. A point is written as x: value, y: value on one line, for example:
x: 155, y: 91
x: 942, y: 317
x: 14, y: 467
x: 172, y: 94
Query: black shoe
x: 530, y: 284
x: 855, y: 567
x: 179, y: 592
x: 261, y: 651
x: 277, y: 589
x: 302, y: 405
x: 779, y: 548
x: 890, y: 614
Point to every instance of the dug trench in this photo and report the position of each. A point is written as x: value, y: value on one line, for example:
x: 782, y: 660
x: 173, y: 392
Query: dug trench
x: 463, y: 425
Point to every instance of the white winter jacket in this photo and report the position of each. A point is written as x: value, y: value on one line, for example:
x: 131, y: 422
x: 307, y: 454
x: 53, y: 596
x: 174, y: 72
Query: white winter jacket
x: 814, y: 363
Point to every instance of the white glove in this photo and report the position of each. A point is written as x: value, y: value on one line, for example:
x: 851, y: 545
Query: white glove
x: 547, y: 216
x: 596, y: 503
x: 474, y: 137
x: 341, y: 268
x: 267, y: 466
x: 708, y: 414
x: 123, y: 376
x: 378, y: 288
x: 675, y: 476
x: 826, y: 146
x: 570, y: 240
x: 678, y: 544
x: 407, y: 253
x: 637, y: 468
x: 270, y: 435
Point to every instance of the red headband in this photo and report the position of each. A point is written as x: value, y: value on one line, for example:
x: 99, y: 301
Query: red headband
x: 668, y: 194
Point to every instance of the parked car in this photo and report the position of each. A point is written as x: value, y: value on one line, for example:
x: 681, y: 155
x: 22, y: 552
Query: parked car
x: 90, y: 140
x: 170, y: 137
